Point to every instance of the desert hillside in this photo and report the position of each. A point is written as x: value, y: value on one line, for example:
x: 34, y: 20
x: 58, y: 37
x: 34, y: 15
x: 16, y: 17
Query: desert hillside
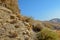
x: 14, y: 26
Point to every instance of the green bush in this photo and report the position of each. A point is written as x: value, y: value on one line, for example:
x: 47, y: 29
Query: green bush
x: 47, y: 34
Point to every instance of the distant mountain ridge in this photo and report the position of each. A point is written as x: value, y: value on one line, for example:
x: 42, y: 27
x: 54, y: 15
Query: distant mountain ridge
x: 57, y: 20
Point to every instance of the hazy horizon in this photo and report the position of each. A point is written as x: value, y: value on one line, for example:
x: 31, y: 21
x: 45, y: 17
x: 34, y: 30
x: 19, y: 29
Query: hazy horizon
x: 40, y: 9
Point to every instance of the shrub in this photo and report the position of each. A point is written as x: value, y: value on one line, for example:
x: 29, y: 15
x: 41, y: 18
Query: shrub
x: 47, y: 34
x: 37, y: 27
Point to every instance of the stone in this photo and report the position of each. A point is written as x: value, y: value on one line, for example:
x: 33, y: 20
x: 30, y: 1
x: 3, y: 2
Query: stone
x: 10, y: 4
x: 11, y: 28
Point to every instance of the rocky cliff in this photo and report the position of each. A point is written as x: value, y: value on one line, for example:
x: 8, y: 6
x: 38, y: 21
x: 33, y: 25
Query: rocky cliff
x: 10, y: 4
x: 11, y: 27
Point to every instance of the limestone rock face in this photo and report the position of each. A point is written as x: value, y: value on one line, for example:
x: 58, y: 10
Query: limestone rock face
x: 10, y: 4
x: 11, y: 28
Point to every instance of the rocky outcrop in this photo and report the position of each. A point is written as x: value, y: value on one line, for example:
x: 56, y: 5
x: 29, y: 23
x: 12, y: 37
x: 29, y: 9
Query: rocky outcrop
x: 10, y: 4
x: 11, y: 27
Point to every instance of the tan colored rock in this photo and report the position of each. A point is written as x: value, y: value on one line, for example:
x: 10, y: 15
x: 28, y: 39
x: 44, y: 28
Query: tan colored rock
x: 10, y: 4
x: 11, y: 28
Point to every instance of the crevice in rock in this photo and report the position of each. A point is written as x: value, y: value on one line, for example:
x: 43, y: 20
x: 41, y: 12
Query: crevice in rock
x: 36, y: 29
x: 12, y: 17
x: 16, y: 26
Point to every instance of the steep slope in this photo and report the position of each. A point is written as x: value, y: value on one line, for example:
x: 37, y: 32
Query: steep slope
x: 10, y: 4
x: 11, y: 27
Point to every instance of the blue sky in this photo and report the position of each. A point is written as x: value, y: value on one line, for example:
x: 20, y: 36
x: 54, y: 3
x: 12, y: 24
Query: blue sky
x: 40, y: 9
